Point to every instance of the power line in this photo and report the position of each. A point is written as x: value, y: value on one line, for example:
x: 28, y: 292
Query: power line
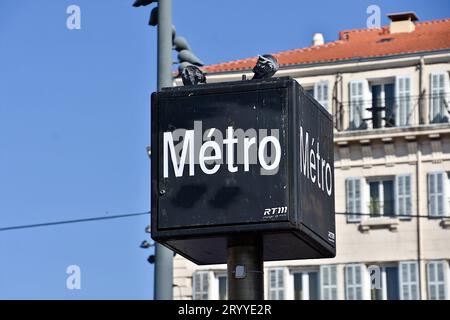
x: 54, y: 223
x: 127, y: 215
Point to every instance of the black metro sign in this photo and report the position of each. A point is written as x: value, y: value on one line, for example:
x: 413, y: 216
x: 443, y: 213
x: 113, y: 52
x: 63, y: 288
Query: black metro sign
x: 250, y: 156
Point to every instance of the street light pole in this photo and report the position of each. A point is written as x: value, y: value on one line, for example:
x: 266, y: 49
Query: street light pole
x: 163, y: 280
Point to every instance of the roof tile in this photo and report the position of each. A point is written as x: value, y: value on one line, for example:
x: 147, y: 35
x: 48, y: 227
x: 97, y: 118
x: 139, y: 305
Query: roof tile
x: 357, y: 43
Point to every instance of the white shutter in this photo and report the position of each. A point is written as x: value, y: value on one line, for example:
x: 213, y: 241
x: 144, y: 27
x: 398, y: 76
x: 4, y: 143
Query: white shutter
x: 437, y: 280
x: 437, y: 96
x: 200, y: 285
x: 328, y: 282
x: 353, y: 199
x: 354, y: 281
x: 321, y: 94
x: 408, y: 277
x: 403, y: 201
x: 403, y: 114
x: 359, y: 102
x: 276, y: 284
x: 436, y: 194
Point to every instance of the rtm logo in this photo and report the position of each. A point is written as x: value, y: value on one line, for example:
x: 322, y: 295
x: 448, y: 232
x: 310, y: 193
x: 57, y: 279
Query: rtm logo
x: 275, y: 211
x: 331, y: 236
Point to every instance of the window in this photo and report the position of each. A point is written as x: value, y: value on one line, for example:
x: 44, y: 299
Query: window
x: 436, y: 194
x: 321, y: 93
x: 383, y: 105
x: 276, y: 284
x: 353, y: 197
x: 309, y: 90
x: 354, y: 282
x: 357, y: 108
x: 306, y: 285
x: 222, y: 280
x: 391, y: 274
x: 409, y: 288
x: 436, y: 275
x: 328, y: 282
x: 438, y: 95
x: 381, y: 197
x: 200, y: 285
x: 389, y: 285
x: 403, y: 101
x: 403, y: 195
x: 378, y: 196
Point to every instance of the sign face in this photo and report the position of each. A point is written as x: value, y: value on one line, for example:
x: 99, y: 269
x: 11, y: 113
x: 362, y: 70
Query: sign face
x: 247, y: 156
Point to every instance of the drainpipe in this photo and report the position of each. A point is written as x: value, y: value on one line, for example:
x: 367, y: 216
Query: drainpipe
x: 336, y: 102
x: 419, y: 206
x: 423, y: 119
x: 340, y: 103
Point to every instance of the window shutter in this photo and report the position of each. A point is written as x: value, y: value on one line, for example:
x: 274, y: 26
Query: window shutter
x: 358, y: 101
x: 321, y: 93
x: 353, y: 199
x: 437, y: 97
x: 408, y: 275
x: 436, y: 276
x: 276, y: 284
x: 354, y: 282
x: 280, y: 284
x: 403, y: 101
x: 436, y: 194
x: 403, y: 195
x: 200, y: 285
x: 328, y: 282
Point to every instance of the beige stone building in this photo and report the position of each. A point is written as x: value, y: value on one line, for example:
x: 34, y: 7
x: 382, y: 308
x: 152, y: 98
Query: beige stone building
x: 389, y: 92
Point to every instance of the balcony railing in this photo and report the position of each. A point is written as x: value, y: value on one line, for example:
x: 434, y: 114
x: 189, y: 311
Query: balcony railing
x: 393, y: 112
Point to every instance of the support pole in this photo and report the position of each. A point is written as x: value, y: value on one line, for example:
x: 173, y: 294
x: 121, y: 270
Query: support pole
x: 164, y: 257
x: 245, y: 268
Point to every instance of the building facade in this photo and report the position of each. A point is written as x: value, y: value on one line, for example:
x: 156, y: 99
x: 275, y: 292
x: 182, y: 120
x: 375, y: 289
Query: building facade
x: 388, y: 90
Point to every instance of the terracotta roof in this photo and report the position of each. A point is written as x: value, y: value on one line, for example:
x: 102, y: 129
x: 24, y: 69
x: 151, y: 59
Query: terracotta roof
x: 358, y: 43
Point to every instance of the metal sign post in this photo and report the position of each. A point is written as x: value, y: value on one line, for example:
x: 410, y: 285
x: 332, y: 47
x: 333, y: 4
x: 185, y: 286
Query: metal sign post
x: 245, y: 268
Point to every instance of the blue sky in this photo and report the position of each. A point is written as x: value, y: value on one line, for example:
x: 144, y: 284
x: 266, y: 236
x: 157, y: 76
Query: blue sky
x: 74, y: 124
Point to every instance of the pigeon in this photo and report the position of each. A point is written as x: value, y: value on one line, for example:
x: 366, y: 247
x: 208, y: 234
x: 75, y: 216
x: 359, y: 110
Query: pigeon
x: 265, y: 67
x: 192, y: 75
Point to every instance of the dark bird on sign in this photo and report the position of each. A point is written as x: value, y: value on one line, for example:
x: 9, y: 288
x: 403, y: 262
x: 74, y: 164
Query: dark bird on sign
x: 192, y: 75
x: 265, y: 67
